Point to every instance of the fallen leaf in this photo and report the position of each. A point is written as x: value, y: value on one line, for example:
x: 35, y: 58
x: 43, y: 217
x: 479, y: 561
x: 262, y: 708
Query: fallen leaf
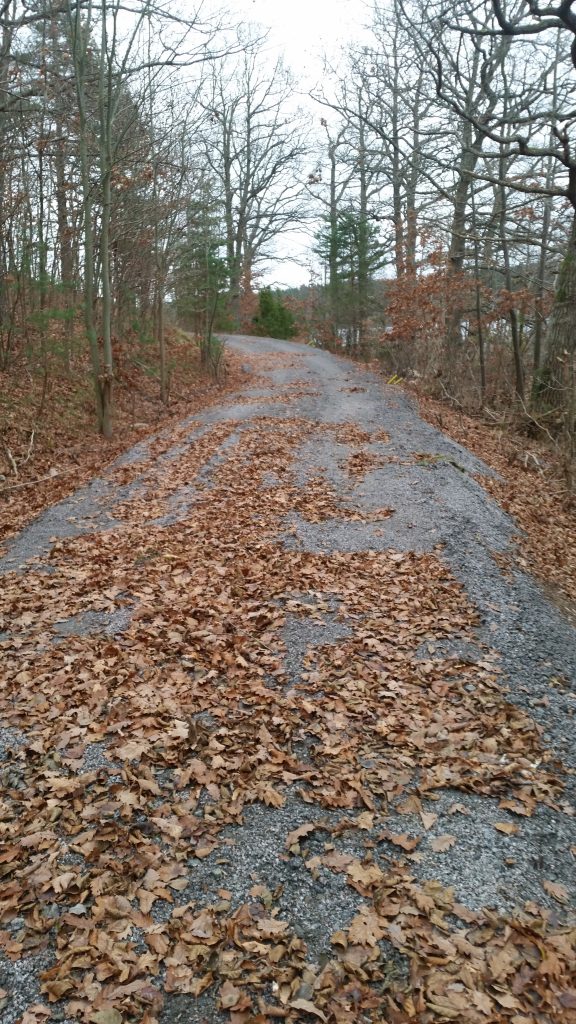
x: 365, y: 820
x: 368, y: 875
x: 482, y: 1002
x: 556, y: 891
x: 131, y: 751
x: 442, y: 843
x: 568, y: 998
x: 405, y: 841
x: 110, y: 1016
x: 428, y: 819
x: 293, y: 838
x: 308, y: 1007
x: 229, y: 995
x: 365, y: 929
x: 507, y: 1000
x: 35, y: 1014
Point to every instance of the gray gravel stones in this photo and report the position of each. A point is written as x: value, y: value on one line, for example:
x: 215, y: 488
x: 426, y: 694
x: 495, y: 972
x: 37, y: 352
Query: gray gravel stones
x: 300, y: 634
x: 86, y: 623
x: 506, y: 870
x: 87, y: 511
x: 10, y: 741
x: 21, y: 980
x: 438, y: 506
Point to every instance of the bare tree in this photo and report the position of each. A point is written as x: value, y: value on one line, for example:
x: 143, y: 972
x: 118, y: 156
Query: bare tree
x: 349, y: 197
x: 254, y: 143
x: 122, y: 63
x: 532, y: 120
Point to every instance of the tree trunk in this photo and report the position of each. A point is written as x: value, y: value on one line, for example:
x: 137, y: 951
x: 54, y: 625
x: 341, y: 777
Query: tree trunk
x: 107, y: 370
x: 457, y: 252
x: 105, y: 128
x: 333, y: 279
x: 539, y: 327
x: 398, y: 221
x: 478, y: 295
x: 541, y: 290
x: 80, y: 35
x: 89, y: 322
x: 554, y: 385
x: 64, y: 238
x: 162, y: 344
x: 6, y: 322
x: 363, y: 238
x: 513, y: 312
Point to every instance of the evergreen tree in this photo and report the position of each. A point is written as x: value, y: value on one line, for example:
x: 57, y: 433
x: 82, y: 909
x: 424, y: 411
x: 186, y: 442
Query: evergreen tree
x: 200, y: 273
x: 359, y: 255
x: 274, y: 320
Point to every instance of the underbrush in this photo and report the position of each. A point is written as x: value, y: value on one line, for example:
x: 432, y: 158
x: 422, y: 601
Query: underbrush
x: 49, y: 443
x: 531, y: 486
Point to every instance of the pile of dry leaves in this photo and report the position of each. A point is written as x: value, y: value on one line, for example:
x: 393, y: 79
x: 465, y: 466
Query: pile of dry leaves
x: 197, y: 720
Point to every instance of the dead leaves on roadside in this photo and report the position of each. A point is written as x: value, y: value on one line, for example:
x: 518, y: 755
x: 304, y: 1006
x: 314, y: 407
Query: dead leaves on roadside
x: 138, y: 751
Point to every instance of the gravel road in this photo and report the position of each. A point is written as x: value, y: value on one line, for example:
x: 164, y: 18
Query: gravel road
x: 437, y: 505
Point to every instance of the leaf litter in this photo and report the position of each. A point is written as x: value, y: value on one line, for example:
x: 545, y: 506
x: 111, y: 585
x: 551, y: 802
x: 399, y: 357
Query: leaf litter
x: 196, y: 721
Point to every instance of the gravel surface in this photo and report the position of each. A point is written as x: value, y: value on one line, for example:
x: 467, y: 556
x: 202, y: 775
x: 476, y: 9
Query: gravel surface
x: 438, y: 505
x: 438, y: 502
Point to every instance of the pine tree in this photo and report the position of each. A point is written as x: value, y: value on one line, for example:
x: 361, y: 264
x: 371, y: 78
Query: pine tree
x: 359, y: 255
x: 274, y: 320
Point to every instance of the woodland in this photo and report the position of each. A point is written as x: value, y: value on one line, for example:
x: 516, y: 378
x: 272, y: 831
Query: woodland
x: 287, y: 574
x: 153, y: 160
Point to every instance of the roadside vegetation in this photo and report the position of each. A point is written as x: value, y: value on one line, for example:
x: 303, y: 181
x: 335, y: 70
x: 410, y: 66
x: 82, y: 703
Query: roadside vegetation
x: 147, y: 178
x: 258, y: 761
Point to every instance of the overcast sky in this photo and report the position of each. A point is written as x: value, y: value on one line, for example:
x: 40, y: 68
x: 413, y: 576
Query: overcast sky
x: 305, y: 31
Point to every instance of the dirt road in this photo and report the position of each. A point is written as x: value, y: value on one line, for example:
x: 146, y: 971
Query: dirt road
x: 283, y: 733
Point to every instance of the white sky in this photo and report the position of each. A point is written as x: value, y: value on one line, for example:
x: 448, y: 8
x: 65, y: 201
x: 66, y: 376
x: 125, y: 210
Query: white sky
x: 304, y: 31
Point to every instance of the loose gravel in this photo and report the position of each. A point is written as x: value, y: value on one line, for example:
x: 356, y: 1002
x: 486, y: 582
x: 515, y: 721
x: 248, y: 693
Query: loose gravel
x: 439, y: 505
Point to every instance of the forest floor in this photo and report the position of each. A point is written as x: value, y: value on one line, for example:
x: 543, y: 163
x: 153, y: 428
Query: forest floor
x: 286, y: 727
x: 530, y: 484
x: 49, y: 445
